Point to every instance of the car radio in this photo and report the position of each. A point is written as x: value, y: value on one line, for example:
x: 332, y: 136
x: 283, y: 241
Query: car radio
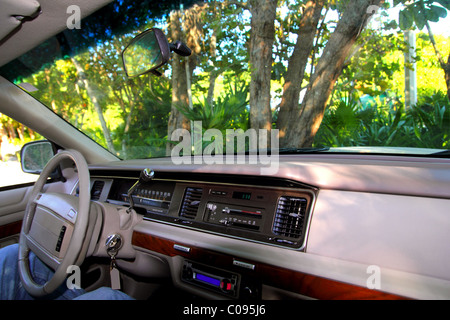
x: 217, y: 280
x: 249, y: 218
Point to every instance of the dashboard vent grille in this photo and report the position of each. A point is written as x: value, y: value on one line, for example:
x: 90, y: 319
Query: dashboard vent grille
x: 289, y: 217
x: 96, y: 190
x: 191, y: 202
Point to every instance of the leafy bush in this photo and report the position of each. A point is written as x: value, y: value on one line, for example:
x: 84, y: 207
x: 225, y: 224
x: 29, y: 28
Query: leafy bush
x: 349, y: 123
x: 431, y: 121
x: 227, y: 112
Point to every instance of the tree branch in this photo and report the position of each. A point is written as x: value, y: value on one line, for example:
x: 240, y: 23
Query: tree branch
x: 243, y: 5
x: 436, y: 49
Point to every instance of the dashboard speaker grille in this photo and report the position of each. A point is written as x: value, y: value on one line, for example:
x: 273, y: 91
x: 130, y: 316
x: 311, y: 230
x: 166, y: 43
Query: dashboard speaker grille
x: 290, y: 217
x: 191, y: 202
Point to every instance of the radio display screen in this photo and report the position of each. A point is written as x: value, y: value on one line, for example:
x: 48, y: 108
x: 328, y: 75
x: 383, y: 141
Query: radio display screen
x: 212, y: 281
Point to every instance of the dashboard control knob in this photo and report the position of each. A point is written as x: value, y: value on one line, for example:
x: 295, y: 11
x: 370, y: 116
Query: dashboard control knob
x: 188, y: 274
x: 247, y: 291
x: 147, y: 175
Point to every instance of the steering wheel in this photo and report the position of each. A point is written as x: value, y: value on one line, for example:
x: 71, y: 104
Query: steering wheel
x: 54, y: 227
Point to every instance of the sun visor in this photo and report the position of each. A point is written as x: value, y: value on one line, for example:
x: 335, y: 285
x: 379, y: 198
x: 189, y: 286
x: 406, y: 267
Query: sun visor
x: 14, y: 12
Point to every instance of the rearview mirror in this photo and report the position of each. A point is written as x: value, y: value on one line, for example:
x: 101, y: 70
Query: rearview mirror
x: 145, y: 53
x: 149, y: 51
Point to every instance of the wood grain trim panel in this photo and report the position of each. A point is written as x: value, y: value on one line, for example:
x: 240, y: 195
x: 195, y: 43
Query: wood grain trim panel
x: 294, y: 281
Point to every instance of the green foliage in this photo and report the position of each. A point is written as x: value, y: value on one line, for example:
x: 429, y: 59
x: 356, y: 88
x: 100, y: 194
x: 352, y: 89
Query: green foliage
x: 341, y: 124
x: 387, y: 128
x: 431, y: 121
x: 230, y: 110
x: 371, y: 69
x: 136, y: 111
x: 419, y: 12
x: 350, y: 123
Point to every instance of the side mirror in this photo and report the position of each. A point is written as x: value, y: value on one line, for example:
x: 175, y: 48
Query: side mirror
x: 35, y: 155
x: 149, y: 51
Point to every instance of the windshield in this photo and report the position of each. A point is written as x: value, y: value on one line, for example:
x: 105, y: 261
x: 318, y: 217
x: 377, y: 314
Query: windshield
x: 286, y: 74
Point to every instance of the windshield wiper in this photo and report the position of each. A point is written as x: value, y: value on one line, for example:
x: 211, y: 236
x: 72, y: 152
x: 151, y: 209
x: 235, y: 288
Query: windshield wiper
x: 290, y: 150
x: 444, y: 153
x: 302, y: 150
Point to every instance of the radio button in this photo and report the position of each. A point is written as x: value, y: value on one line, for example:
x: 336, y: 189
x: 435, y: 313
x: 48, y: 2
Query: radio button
x: 226, y: 285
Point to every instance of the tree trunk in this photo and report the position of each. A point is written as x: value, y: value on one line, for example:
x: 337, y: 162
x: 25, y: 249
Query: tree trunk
x: 447, y: 76
x: 445, y: 66
x: 97, y: 107
x: 182, y: 68
x: 213, y: 73
x: 289, y: 104
x: 309, y: 117
x: 179, y: 84
x: 261, y: 43
x: 127, y: 129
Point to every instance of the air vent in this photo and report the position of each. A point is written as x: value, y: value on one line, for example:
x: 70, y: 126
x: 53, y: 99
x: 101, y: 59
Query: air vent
x: 191, y: 202
x: 96, y: 190
x: 289, y: 217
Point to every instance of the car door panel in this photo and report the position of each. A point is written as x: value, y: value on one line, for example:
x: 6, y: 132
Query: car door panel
x: 13, y: 202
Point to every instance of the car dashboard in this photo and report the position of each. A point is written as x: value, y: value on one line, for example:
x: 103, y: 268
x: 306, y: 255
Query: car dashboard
x: 326, y: 227
x: 269, y: 214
